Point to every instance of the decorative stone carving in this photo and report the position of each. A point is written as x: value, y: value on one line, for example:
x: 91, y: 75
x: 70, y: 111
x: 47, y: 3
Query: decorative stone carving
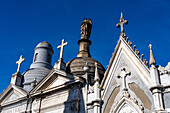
x: 127, y: 39
x: 130, y: 43
x: 126, y: 104
x: 137, y: 52
x: 126, y: 108
x: 123, y: 76
x: 86, y: 26
x: 134, y: 47
x: 121, y: 24
x: 145, y: 62
x: 141, y: 57
x: 165, y: 70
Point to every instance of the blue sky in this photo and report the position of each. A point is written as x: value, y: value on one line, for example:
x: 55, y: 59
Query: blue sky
x: 25, y: 23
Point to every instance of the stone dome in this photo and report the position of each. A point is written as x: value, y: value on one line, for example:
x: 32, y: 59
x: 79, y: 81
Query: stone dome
x: 33, y: 74
x: 76, y: 65
x: 44, y: 44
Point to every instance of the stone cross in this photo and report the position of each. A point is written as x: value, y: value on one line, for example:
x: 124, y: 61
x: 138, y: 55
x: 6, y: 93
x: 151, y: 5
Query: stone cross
x: 19, y: 63
x: 123, y: 76
x: 150, y: 46
x: 62, y: 46
x: 121, y: 24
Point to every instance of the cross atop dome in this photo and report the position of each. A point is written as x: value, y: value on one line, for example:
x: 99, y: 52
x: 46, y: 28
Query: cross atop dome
x: 121, y: 24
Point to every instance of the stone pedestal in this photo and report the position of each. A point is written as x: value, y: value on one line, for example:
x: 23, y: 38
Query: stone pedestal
x: 16, y: 79
x: 60, y: 65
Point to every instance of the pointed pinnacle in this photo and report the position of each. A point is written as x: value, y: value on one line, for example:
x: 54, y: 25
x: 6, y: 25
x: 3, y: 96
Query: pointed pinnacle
x: 96, y: 78
x: 121, y: 15
x: 152, y: 59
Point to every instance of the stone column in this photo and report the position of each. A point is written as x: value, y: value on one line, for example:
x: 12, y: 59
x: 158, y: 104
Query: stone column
x: 156, y: 87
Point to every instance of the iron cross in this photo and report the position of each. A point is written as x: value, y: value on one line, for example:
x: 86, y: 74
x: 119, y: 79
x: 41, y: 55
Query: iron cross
x: 19, y: 62
x: 123, y: 76
x: 121, y: 24
x: 62, y: 46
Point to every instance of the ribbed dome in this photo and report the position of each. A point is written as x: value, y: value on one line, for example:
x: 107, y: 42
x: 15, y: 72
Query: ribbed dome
x: 76, y: 65
x: 33, y: 74
x: 44, y: 44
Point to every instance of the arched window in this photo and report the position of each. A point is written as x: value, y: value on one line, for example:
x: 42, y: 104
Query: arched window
x: 35, y: 57
x: 49, y: 58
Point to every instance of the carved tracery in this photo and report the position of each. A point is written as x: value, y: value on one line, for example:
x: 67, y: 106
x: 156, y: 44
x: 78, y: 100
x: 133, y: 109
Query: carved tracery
x: 125, y: 103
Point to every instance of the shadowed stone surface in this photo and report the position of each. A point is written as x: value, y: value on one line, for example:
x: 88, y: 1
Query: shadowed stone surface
x: 75, y: 67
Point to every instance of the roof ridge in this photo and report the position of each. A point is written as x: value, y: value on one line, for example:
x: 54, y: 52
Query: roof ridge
x: 136, y: 51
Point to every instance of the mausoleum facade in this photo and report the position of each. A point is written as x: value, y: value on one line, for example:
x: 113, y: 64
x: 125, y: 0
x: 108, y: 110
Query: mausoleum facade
x: 130, y: 84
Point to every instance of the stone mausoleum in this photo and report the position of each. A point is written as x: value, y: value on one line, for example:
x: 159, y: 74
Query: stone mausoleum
x: 82, y: 85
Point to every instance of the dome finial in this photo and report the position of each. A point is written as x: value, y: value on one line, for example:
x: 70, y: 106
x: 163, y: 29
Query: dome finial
x: 84, y: 42
x: 152, y: 59
x: 86, y: 26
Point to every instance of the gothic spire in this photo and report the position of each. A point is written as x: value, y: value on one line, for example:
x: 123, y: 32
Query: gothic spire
x: 121, y: 24
x: 152, y: 59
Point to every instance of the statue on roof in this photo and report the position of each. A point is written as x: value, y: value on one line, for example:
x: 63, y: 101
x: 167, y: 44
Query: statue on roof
x: 86, y: 26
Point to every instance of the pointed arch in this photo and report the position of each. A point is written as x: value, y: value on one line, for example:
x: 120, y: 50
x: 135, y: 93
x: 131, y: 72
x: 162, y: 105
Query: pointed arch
x: 127, y: 105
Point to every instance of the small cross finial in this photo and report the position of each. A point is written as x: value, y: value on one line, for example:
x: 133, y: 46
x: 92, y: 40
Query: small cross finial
x: 121, y: 24
x: 19, y: 63
x: 62, y: 46
x: 150, y: 46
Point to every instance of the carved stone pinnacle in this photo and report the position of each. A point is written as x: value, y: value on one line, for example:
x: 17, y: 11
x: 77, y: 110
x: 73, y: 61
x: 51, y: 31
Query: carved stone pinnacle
x: 152, y: 59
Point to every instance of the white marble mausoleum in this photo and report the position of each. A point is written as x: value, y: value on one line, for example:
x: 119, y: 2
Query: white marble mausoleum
x: 129, y: 84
